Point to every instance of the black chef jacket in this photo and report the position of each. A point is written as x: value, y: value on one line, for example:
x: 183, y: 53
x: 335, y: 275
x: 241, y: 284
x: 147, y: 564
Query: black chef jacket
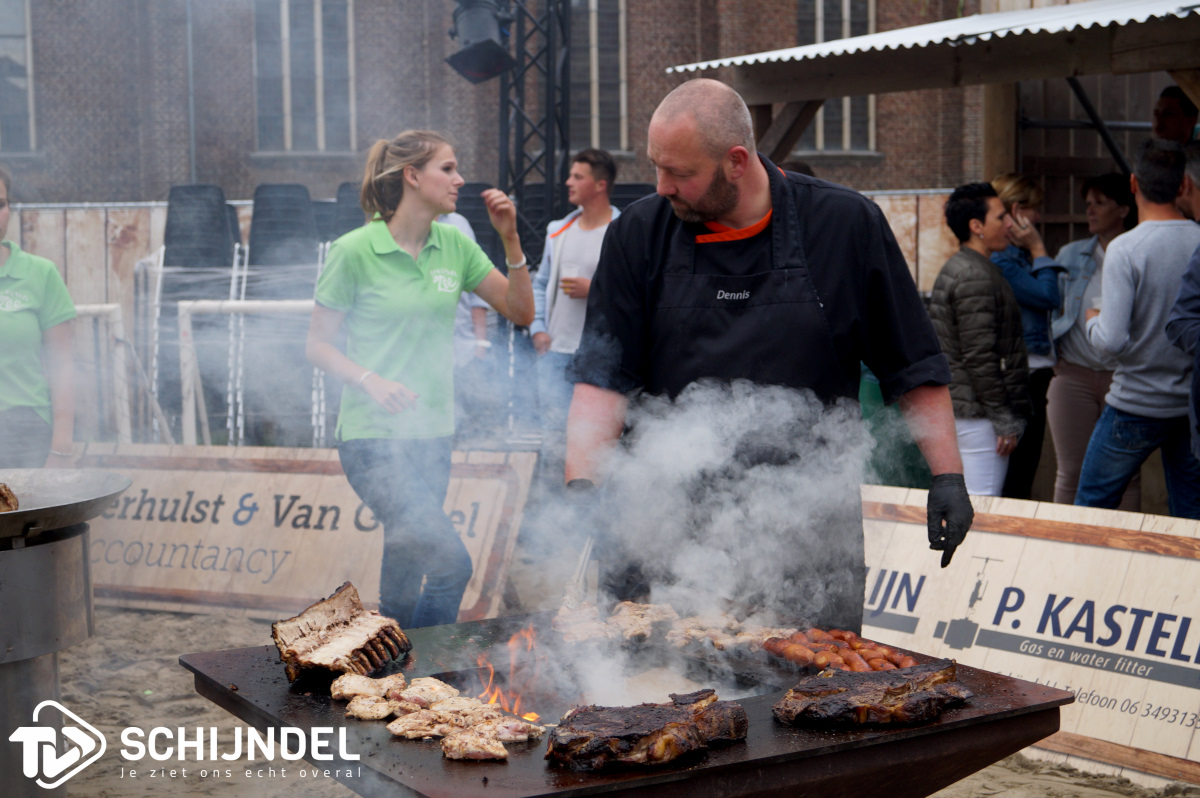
x: 671, y: 302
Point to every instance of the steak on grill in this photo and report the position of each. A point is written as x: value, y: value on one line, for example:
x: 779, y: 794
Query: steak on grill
x: 592, y: 737
x: 843, y: 698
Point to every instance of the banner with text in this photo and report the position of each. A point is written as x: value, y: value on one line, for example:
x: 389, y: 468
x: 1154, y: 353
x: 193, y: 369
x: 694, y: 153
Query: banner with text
x: 272, y: 530
x: 1110, y: 613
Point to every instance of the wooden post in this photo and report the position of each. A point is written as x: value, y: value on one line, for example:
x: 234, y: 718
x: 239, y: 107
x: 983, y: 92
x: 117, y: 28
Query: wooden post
x: 1189, y: 81
x: 999, y: 129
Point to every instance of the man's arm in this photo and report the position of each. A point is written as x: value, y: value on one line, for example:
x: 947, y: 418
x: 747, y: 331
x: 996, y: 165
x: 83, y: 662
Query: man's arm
x: 1109, y: 330
x: 594, y: 423
x: 1183, y: 325
x: 948, y: 511
x: 930, y: 418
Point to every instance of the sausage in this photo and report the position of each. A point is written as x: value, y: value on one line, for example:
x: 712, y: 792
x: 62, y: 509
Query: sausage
x: 856, y: 663
x: 815, y: 646
x: 819, y: 635
x: 893, y: 656
x: 872, y: 653
x: 794, y: 652
x: 881, y: 665
x: 906, y: 662
x: 775, y: 645
x: 842, y: 644
x: 843, y: 634
x: 799, y: 637
x: 823, y: 659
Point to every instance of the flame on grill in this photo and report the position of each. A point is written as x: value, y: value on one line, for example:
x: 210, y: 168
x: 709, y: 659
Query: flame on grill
x: 521, y: 676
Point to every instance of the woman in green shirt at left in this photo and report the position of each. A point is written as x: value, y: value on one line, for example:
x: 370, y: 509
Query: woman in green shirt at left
x: 37, y: 386
x: 394, y: 285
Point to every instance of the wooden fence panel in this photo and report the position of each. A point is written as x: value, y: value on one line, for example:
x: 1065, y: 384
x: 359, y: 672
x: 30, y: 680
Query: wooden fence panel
x: 43, y: 233
x: 86, y: 255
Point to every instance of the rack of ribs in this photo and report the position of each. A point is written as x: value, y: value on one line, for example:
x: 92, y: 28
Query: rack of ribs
x: 338, y: 634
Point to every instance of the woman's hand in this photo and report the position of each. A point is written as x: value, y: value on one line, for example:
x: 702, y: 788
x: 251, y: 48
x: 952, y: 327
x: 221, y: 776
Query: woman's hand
x: 391, y: 396
x: 1005, y: 444
x: 1024, y: 233
x: 576, y: 287
x: 501, y: 212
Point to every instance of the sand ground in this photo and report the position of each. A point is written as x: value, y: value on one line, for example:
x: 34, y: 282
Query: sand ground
x: 128, y: 674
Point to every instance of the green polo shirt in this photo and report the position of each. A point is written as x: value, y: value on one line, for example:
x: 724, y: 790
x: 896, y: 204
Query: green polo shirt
x: 400, y: 323
x: 33, y: 298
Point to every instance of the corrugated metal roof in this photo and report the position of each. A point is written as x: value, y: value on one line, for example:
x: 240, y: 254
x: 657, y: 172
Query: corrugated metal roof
x: 967, y: 30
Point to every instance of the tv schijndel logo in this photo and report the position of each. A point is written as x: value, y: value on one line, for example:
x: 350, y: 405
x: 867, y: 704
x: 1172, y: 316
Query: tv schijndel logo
x: 41, y: 758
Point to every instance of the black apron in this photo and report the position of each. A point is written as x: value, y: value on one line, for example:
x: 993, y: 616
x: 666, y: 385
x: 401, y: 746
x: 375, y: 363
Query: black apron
x: 768, y: 327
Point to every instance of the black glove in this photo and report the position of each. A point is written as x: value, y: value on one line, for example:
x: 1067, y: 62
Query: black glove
x: 949, y: 514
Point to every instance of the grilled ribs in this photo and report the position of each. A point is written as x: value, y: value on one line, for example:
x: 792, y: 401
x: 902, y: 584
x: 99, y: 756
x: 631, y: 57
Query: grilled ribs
x: 906, y: 695
x: 590, y: 738
x: 339, y: 634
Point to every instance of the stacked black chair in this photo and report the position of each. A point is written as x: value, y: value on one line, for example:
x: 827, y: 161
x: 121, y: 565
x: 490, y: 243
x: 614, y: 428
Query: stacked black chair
x: 198, y: 247
x: 283, y: 230
x: 348, y: 212
x: 624, y: 194
x: 325, y: 214
x: 198, y: 232
x: 282, y: 258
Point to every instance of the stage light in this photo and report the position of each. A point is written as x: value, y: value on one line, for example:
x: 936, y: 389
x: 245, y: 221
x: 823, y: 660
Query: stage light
x: 482, y: 53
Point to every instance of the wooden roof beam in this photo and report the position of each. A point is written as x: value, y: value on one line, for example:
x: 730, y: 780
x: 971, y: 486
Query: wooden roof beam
x: 785, y: 129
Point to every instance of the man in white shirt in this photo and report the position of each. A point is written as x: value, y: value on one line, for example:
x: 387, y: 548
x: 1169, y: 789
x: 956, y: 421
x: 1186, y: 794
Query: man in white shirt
x: 474, y: 393
x: 560, y: 287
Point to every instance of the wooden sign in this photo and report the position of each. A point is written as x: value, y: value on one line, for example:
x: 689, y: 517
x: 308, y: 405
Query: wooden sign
x: 1099, y: 602
x: 268, y: 531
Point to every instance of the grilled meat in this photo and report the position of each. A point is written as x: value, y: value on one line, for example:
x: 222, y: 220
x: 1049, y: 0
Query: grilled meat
x: 907, y: 695
x: 8, y: 499
x: 369, y: 707
x: 426, y: 723
x: 472, y: 744
x: 458, y: 703
x: 349, y: 685
x: 703, y: 629
x: 577, y: 624
x: 590, y: 738
x: 635, y: 622
x: 424, y: 691
x: 340, y: 635
x: 508, y: 729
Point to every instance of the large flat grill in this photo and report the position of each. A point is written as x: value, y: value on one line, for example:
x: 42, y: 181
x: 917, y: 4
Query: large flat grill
x: 1005, y: 716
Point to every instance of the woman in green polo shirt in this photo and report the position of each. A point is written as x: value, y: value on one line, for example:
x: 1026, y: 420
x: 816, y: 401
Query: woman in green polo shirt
x: 37, y: 390
x: 394, y: 285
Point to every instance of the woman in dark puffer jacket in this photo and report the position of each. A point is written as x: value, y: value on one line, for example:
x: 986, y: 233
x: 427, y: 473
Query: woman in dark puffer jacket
x: 978, y: 321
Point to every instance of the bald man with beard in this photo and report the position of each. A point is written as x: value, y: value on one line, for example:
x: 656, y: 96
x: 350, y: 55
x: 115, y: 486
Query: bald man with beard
x: 739, y: 271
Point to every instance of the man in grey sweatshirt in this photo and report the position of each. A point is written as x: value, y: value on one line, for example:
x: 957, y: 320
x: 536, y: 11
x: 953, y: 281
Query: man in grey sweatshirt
x: 1147, y: 404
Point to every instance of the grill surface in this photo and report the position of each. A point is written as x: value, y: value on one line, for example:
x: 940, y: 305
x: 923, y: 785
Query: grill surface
x: 1005, y: 715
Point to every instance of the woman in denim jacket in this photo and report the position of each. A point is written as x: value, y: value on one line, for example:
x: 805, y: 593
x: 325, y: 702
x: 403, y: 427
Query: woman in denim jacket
x: 1083, y: 373
x: 1033, y: 276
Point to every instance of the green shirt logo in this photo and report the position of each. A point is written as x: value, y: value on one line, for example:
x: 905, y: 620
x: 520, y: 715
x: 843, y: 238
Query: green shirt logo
x: 446, y: 280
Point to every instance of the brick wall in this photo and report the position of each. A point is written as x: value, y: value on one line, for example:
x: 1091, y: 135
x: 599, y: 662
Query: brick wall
x: 111, y: 95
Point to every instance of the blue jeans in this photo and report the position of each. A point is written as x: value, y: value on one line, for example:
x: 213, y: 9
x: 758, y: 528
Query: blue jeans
x: 554, y: 392
x: 404, y: 483
x: 24, y: 438
x: 554, y: 400
x: 1119, y: 445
